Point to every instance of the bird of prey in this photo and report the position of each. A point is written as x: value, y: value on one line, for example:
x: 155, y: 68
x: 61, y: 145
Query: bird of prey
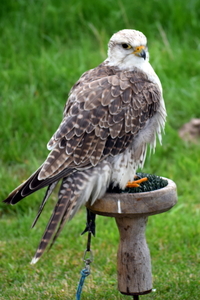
x: 113, y: 112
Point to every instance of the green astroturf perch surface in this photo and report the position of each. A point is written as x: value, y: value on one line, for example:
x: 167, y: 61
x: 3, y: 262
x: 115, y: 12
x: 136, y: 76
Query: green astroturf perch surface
x: 45, y: 46
x: 153, y: 183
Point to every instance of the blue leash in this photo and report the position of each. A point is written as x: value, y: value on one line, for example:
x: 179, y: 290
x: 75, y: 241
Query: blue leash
x: 84, y: 273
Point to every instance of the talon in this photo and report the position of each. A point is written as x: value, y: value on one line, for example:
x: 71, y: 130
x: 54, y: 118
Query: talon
x: 136, y: 183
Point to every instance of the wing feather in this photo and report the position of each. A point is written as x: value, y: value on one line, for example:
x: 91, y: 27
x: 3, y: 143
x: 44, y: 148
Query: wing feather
x: 107, y: 108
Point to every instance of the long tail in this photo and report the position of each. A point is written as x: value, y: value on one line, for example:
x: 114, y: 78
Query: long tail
x: 61, y: 210
x: 75, y: 190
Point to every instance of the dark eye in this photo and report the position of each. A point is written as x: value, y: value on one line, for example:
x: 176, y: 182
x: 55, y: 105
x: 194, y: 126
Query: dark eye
x: 126, y: 46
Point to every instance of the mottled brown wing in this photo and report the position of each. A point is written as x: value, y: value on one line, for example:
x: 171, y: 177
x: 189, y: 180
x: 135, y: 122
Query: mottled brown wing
x: 101, y: 118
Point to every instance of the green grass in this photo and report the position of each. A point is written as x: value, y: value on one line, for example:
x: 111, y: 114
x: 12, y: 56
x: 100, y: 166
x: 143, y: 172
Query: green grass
x: 45, y: 47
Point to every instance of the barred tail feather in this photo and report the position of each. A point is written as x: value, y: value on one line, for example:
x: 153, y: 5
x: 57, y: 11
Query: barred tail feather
x: 51, y: 227
x: 75, y: 191
x: 48, y: 193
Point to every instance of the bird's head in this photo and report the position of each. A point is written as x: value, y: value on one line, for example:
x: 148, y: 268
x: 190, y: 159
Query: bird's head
x: 127, y: 48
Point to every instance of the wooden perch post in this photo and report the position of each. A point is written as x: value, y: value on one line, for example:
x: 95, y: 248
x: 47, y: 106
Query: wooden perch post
x: 131, y: 213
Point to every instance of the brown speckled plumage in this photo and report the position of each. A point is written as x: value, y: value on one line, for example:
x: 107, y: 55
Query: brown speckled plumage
x: 112, y: 113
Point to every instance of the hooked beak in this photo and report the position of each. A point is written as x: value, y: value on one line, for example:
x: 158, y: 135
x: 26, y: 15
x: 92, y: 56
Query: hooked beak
x: 140, y: 51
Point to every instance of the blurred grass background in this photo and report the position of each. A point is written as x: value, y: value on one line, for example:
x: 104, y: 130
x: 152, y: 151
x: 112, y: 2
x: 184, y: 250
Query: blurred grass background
x: 45, y: 46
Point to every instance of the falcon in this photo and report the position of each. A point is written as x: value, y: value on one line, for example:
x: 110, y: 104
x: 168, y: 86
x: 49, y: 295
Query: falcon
x: 113, y: 113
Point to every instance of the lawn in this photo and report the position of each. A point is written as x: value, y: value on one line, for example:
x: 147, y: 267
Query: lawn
x: 45, y: 47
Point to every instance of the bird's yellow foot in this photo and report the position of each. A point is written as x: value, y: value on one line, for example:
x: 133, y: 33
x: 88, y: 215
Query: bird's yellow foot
x: 136, y: 183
